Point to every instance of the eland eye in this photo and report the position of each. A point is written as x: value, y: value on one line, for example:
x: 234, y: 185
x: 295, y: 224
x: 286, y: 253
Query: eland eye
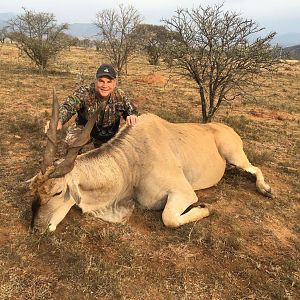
x: 57, y: 194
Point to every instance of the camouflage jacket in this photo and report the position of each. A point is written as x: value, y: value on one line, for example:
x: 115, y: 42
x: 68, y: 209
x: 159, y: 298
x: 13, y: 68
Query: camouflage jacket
x: 86, y: 100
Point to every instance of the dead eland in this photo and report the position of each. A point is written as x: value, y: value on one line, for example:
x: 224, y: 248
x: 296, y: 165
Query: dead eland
x: 155, y: 163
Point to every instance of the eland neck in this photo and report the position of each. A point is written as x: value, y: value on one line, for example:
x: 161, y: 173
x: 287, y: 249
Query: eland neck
x: 114, y: 164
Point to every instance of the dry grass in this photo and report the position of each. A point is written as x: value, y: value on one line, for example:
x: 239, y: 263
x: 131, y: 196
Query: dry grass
x: 247, y: 249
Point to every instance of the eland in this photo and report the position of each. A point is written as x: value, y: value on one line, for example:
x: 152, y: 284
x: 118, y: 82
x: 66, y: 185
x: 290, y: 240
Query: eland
x: 155, y: 163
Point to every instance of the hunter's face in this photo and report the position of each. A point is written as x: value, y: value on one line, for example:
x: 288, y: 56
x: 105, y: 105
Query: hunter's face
x: 105, y: 85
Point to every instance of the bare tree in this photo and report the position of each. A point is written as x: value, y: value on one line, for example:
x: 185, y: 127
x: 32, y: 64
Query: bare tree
x: 117, y: 33
x: 38, y: 36
x: 219, y: 51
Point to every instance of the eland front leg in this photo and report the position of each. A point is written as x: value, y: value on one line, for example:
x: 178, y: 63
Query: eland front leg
x: 175, y: 212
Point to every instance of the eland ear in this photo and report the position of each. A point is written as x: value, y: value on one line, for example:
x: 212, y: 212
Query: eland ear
x: 72, y: 191
x: 67, y: 195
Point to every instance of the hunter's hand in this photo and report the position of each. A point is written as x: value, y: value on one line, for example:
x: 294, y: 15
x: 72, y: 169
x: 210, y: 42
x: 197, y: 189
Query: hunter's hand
x: 131, y: 120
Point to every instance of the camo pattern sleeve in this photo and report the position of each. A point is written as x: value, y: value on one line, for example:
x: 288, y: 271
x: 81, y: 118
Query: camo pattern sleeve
x: 73, y: 104
x: 124, y: 105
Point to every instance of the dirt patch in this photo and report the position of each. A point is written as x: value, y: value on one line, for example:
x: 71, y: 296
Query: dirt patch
x: 282, y: 233
x: 271, y: 115
x: 4, y: 235
x: 153, y: 79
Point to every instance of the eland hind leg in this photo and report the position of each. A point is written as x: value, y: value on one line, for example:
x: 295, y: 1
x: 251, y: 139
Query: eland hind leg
x: 261, y: 185
x: 238, y: 158
x: 179, y: 200
x: 230, y: 147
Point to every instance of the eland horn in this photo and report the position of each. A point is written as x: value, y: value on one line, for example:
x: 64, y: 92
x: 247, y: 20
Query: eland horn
x: 50, y: 149
x: 67, y: 164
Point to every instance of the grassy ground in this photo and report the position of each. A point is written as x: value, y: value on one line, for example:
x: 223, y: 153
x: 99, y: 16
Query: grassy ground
x: 247, y: 249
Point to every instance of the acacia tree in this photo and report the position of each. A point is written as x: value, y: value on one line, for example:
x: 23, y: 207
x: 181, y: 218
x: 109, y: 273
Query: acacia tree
x: 152, y: 40
x: 117, y: 32
x: 217, y: 50
x: 38, y: 36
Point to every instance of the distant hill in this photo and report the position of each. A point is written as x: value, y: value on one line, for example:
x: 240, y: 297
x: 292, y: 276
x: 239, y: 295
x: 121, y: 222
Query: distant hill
x: 89, y: 30
x: 4, y: 17
x: 83, y: 30
x: 293, y: 52
x: 80, y: 30
x: 287, y: 39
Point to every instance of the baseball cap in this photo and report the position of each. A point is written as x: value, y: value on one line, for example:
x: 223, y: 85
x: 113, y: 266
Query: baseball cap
x: 106, y: 70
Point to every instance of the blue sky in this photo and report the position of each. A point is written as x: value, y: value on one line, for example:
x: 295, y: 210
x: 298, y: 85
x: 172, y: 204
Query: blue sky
x: 282, y: 16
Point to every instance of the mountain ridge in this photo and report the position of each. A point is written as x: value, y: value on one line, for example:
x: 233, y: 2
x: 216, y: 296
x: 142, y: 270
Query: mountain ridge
x: 293, y: 51
x: 89, y: 30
